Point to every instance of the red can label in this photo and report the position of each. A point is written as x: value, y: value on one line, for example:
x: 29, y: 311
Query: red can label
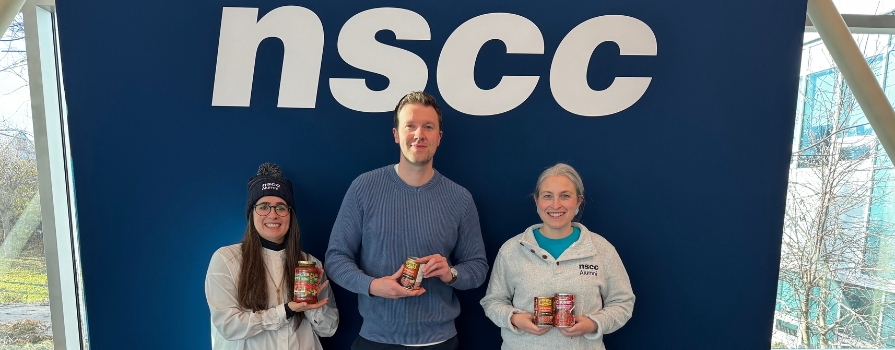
x: 543, y: 311
x: 408, y: 276
x: 563, y: 316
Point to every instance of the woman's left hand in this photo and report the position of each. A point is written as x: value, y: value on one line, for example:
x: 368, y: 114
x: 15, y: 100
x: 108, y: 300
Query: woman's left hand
x: 583, y: 325
x: 303, y: 306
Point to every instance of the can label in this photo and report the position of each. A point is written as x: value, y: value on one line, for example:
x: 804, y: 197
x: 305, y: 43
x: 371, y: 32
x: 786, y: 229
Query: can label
x: 411, y: 270
x: 563, y: 305
x: 306, y: 283
x: 543, y: 311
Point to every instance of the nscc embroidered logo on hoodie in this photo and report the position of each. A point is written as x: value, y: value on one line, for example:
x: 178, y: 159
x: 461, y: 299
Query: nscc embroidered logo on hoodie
x: 588, y: 270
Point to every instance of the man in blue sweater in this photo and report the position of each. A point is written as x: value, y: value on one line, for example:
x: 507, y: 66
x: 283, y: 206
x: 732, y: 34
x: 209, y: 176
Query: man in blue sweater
x: 401, y: 210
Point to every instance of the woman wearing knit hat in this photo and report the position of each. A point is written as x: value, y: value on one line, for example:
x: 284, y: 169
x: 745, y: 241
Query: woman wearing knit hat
x: 249, y: 285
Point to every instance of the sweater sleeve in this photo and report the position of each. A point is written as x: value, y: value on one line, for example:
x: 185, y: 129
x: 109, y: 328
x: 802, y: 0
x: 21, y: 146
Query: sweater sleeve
x: 618, y: 299
x: 498, y: 300
x: 324, y: 320
x: 344, y: 245
x: 469, y: 253
x: 228, y: 318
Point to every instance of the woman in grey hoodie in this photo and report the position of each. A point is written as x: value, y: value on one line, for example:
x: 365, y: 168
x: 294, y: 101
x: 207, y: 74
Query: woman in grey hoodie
x: 558, y: 256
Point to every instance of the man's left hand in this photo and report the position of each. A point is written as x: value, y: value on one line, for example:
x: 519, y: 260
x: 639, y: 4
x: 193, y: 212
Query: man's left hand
x: 436, y: 266
x: 583, y: 325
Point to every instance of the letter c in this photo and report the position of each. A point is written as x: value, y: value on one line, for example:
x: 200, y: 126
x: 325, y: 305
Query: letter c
x: 456, y: 64
x: 568, y: 72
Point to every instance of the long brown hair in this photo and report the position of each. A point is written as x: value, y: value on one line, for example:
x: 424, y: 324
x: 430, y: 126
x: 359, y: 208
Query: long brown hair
x: 251, y: 288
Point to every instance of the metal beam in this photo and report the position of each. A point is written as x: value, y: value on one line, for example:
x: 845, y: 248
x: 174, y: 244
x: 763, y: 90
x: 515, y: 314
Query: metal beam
x: 855, y: 70
x: 863, y: 24
x: 8, y: 10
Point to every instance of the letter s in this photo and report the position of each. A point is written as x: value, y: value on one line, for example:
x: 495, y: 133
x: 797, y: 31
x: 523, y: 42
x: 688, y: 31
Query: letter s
x: 358, y: 47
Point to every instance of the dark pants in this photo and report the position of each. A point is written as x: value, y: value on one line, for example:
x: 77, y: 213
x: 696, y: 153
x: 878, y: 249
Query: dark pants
x: 362, y: 343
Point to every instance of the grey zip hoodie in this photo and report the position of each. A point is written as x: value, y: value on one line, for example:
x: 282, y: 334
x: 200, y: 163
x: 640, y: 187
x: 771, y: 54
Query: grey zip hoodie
x: 590, y: 269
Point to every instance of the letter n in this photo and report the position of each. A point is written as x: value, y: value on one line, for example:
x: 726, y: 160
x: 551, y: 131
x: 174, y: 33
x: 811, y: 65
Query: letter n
x: 301, y: 32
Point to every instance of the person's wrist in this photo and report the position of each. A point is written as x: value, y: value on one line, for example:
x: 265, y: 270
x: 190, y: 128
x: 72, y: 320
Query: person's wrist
x: 453, y: 275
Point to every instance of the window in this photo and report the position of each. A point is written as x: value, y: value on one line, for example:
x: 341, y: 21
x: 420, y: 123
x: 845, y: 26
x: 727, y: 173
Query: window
x: 837, y: 269
x: 861, y: 311
x: 819, y: 105
x: 24, y: 295
x: 40, y: 293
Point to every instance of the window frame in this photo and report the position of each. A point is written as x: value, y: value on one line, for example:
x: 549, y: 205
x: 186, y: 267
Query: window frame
x: 58, y: 214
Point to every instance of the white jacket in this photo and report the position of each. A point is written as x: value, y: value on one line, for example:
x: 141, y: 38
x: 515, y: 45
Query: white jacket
x: 590, y: 269
x: 237, y: 329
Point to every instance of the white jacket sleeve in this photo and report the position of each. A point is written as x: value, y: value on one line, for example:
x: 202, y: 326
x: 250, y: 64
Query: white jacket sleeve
x: 232, y: 322
x: 618, y: 299
x: 324, y: 320
x: 498, y: 300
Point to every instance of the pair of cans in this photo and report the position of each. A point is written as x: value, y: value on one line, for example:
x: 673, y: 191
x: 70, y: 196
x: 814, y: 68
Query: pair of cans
x: 411, y: 277
x: 555, y: 311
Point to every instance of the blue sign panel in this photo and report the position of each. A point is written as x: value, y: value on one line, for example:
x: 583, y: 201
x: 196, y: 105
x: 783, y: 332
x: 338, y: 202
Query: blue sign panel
x: 678, y: 115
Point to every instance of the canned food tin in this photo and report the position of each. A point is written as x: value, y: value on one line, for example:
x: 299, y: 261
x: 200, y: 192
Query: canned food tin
x: 563, y: 304
x: 543, y: 311
x: 307, y: 279
x: 411, y: 269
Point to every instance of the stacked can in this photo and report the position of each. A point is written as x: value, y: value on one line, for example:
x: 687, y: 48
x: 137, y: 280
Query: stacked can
x: 543, y: 311
x: 563, y: 304
x: 411, y: 269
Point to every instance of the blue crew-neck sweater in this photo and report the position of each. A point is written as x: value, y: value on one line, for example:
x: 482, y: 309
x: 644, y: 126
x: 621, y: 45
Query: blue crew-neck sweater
x: 381, y: 222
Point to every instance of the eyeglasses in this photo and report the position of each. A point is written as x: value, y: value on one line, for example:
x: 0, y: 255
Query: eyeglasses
x: 263, y: 209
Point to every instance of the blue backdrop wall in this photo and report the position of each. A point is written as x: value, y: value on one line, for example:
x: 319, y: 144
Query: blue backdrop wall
x: 688, y: 182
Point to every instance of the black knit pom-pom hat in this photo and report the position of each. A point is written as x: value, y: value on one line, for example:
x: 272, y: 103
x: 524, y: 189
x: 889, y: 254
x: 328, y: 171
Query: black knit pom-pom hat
x: 268, y: 182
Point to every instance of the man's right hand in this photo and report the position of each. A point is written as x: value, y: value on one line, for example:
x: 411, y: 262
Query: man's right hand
x: 526, y: 323
x: 388, y: 287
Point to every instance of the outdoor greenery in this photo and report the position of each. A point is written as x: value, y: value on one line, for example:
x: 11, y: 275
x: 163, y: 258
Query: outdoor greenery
x: 23, y: 280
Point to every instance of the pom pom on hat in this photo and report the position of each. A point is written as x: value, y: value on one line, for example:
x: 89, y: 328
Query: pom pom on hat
x: 270, y: 169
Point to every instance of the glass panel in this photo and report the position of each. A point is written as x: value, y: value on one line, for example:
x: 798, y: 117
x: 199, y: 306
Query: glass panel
x: 820, y: 106
x: 880, y: 243
x: 24, y: 297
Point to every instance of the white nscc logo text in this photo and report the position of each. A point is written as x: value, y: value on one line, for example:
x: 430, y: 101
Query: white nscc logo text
x: 302, y: 34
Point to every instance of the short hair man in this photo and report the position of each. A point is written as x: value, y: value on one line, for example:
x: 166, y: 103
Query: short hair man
x: 401, y: 210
